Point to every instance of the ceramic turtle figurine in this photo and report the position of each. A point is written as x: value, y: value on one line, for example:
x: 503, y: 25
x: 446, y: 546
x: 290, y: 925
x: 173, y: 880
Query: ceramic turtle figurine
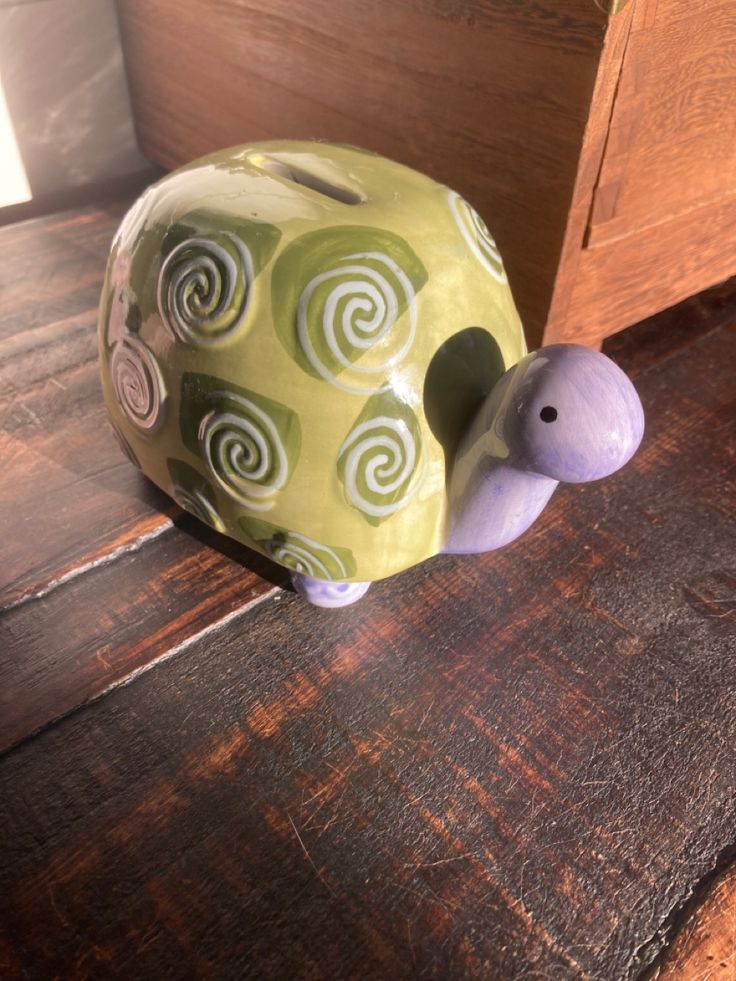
x: 315, y: 350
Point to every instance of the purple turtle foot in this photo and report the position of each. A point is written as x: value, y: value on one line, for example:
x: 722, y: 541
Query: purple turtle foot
x: 329, y: 595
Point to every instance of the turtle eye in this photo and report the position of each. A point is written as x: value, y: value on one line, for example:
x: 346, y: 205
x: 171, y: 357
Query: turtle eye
x: 548, y: 413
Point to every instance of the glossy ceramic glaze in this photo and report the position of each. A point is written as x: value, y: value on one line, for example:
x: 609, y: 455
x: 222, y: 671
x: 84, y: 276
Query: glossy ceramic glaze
x: 563, y: 413
x: 273, y: 357
x: 315, y: 350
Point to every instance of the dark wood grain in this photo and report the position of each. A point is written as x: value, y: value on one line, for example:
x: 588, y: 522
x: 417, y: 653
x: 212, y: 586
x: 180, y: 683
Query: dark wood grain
x: 68, y: 498
x: 509, y: 766
x: 150, y: 601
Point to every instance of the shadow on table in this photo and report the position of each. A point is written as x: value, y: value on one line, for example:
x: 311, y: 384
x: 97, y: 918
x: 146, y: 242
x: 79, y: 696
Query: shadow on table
x: 133, y: 483
x: 232, y: 550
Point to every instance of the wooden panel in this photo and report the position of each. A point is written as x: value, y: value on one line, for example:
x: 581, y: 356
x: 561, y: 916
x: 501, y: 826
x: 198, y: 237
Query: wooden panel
x: 586, y: 182
x: 505, y: 766
x: 489, y: 96
x: 672, y: 140
x: 672, y: 330
x: 604, y: 285
x: 618, y: 282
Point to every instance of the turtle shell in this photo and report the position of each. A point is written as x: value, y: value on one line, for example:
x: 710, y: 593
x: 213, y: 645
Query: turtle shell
x: 293, y: 337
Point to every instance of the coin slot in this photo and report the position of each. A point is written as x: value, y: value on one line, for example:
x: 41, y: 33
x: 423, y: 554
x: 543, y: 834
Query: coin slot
x: 304, y: 178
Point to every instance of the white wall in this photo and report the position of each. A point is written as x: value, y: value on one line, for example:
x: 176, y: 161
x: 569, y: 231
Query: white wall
x: 61, y: 69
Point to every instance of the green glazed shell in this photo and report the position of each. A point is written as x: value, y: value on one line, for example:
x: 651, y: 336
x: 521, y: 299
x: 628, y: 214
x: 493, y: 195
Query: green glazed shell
x: 293, y: 336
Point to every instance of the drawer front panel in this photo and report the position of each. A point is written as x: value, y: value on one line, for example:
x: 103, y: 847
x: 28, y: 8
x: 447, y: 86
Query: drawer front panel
x: 672, y: 141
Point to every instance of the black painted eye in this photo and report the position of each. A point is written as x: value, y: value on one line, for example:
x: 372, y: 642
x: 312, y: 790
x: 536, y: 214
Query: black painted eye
x: 548, y: 413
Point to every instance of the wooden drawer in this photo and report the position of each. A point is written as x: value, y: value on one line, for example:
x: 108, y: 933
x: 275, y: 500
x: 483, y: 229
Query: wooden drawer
x: 660, y: 213
x: 599, y: 148
x: 672, y: 136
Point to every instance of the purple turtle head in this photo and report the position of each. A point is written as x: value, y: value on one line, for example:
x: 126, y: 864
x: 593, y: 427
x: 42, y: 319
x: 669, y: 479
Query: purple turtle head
x: 572, y: 415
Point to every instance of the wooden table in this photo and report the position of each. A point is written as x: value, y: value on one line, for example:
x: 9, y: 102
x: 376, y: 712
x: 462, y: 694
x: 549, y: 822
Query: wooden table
x: 521, y: 765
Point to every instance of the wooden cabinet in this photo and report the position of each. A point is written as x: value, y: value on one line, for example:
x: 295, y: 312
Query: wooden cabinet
x: 600, y: 148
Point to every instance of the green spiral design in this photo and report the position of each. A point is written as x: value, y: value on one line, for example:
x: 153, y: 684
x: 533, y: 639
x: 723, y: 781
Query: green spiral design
x: 475, y: 232
x: 193, y: 493
x: 380, y: 460
x: 244, y: 452
x: 199, y: 506
x: 204, y: 288
x: 345, y: 305
x: 249, y: 443
x: 137, y: 383
x: 299, y: 552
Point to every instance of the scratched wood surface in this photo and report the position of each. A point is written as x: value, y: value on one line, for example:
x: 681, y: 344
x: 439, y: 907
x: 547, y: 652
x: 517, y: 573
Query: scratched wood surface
x: 511, y: 766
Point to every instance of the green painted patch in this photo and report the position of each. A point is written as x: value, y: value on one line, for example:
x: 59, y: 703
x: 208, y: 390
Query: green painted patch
x: 380, y: 458
x: 205, y: 283
x: 194, y: 493
x: 300, y: 553
x: 249, y: 443
x: 344, y: 303
x: 459, y: 378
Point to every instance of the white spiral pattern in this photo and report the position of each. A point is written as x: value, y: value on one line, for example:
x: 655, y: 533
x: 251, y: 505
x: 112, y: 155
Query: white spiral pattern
x: 360, y: 313
x: 198, y: 289
x: 137, y: 383
x: 475, y: 232
x: 301, y: 554
x: 244, y: 452
x: 198, y: 505
x: 380, y: 457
